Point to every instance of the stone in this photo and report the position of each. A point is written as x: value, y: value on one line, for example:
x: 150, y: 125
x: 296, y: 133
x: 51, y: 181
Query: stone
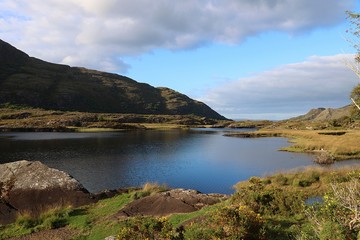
x: 30, y: 186
x: 110, y: 238
x: 169, y: 202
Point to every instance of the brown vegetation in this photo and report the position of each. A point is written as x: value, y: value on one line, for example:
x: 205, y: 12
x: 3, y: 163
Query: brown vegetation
x: 25, y: 119
x: 341, y: 146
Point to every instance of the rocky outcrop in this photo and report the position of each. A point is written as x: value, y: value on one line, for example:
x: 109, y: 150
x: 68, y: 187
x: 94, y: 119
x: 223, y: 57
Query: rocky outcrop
x: 33, y: 187
x: 325, y: 114
x: 169, y: 202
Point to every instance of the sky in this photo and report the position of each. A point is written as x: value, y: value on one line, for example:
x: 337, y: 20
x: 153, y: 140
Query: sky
x: 246, y: 59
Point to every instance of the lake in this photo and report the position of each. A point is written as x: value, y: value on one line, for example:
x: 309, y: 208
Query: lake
x: 201, y: 159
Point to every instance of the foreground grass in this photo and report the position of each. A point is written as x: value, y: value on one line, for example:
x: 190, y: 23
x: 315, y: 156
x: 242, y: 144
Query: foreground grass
x: 88, y: 222
x: 95, y: 221
x: 341, y: 144
x: 273, y: 207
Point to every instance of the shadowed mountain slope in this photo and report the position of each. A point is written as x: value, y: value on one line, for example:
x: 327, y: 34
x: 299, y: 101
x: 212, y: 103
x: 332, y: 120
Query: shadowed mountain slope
x: 32, y: 82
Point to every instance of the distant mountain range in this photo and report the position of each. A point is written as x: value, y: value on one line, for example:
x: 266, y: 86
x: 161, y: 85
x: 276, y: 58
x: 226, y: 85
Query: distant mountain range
x: 324, y: 114
x: 32, y: 82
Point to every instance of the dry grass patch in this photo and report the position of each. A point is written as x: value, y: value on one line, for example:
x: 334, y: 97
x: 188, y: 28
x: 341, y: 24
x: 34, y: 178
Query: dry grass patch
x: 163, y: 126
x: 344, y: 145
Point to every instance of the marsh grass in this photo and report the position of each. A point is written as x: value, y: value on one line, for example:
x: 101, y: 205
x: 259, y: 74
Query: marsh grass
x: 154, y: 187
x: 342, y: 146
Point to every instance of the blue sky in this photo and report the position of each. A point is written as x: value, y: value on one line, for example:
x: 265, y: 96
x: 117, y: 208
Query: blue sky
x: 246, y: 59
x: 215, y: 64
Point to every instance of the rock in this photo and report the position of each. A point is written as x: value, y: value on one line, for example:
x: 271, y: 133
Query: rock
x: 110, y: 238
x: 33, y: 187
x: 172, y: 201
x: 7, y: 212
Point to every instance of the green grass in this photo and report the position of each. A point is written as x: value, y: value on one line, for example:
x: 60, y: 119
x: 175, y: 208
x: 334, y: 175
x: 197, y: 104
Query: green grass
x: 179, y: 218
x: 26, y: 223
x: 90, y: 222
x: 94, y: 221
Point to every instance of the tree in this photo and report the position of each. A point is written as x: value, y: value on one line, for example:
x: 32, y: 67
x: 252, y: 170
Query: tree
x: 355, y: 65
x: 355, y: 96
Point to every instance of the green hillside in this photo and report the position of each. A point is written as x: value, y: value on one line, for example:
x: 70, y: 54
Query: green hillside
x: 32, y: 82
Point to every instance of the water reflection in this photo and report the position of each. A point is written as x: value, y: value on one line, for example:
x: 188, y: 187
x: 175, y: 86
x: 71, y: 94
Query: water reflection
x: 181, y: 158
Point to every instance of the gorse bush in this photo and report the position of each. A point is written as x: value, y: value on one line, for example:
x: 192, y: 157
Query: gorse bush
x: 148, y: 228
x: 229, y: 222
x: 268, y: 199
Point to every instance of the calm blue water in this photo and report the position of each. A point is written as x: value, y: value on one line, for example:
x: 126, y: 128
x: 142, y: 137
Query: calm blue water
x: 197, y: 159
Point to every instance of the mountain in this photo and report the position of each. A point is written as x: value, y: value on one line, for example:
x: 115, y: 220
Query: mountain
x: 29, y: 81
x: 323, y: 114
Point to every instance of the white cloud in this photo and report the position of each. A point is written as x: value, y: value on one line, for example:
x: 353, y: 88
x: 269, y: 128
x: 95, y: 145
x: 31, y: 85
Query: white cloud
x: 289, y: 90
x: 96, y: 33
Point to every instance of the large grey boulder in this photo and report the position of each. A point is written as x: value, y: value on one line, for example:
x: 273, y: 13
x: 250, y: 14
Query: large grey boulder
x: 33, y: 187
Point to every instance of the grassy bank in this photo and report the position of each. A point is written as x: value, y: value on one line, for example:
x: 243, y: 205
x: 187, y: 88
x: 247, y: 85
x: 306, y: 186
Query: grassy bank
x: 17, y: 118
x: 341, y: 144
x: 272, y: 207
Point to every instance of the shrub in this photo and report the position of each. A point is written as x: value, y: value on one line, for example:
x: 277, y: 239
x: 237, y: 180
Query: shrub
x: 270, y: 201
x: 281, y: 180
x: 230, y: 222
x: 332, y: 230
x: 324, y: 158
x: 338, y: 217
x: 148, y: 228
x: 302, y: 182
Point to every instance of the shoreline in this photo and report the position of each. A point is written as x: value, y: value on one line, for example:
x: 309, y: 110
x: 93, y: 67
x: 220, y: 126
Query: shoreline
x: 183, y: 209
